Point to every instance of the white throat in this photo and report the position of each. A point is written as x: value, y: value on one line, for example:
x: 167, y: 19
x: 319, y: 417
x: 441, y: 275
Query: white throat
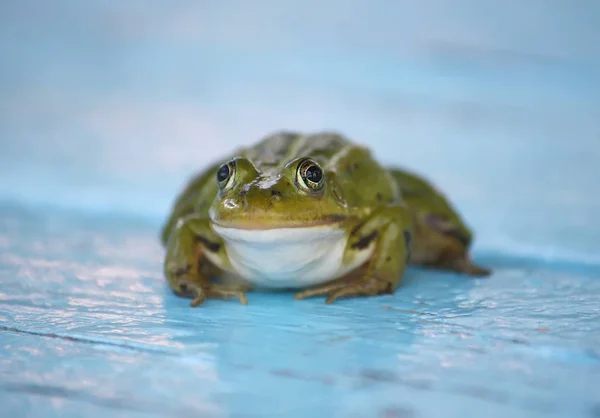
x: 288, y: 257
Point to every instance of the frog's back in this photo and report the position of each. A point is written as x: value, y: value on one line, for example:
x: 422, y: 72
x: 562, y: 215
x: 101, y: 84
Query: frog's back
x: 422, y: 195
x: 275, y: 151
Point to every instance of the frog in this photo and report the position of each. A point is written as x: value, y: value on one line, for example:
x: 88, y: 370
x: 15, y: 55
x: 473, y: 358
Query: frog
x: 312, y: 213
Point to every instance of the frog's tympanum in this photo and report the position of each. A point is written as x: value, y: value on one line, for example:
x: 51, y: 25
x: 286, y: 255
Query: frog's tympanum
x: 315, y: 213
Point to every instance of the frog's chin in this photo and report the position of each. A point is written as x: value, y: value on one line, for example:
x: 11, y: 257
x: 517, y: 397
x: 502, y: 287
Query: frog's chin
x: 288, y: 257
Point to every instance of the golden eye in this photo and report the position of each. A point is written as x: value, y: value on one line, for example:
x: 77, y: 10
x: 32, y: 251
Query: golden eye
x: 225, y: 175
x: 311, y: 175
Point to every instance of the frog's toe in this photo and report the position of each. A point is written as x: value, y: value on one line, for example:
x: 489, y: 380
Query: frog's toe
x: 198, y: 300
x: 225, y: 292
x: 466, y: 266
x: 348, y: 287
x: 366, y: 287
x: 200, y: 293
x: 322, y: 290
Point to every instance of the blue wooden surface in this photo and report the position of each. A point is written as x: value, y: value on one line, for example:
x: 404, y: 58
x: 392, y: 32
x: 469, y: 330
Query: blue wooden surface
x: 106, y: 108
x: 89, y: 327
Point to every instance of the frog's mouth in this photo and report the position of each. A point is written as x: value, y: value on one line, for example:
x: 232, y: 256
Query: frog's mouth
x: 277, y: 234
x: 272, y: 224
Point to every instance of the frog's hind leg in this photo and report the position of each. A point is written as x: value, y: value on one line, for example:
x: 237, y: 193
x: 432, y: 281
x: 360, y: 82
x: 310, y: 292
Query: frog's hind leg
x: 388, y: 231
x: 442, y: 246
x: 452, y: 257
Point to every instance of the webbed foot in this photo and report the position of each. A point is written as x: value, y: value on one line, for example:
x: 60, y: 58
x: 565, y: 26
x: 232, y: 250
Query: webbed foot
x: 356, y: 287
x: 201, y: 292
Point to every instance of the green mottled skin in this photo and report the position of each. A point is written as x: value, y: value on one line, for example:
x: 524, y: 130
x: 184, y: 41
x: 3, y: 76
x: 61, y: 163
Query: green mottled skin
x: 368, y: 201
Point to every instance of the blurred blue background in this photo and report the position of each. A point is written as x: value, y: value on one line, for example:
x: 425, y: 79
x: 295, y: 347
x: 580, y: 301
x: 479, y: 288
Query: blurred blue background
x: 113, y: 105
x: 108, y: 107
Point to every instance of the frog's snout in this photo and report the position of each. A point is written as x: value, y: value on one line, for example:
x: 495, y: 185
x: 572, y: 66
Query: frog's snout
x: 249, y: 201
x: 261, y: 198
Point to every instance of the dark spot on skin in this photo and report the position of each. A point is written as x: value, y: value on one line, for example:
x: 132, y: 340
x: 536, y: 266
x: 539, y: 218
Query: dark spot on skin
x: 442, y: 225
x: 379, y: 196
x: 356, y: 228
x: 460, y: 237
x: 408, y: 243
x: 411, y: 193
x: 355, y: 166
x: 337, y: 218
x: 275, y: 193
x: 364, y: 242
x: 388, y: 258
x: 389, y: 289
x: 182, y: 271
x: 185, y: 290
x: 213, y: 247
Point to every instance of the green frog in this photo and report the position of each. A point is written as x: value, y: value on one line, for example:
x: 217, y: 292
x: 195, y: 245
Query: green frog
x: 315, y: 213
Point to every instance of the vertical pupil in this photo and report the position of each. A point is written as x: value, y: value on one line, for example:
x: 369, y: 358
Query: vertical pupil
x: 223, y: 173
x: 314, y: 174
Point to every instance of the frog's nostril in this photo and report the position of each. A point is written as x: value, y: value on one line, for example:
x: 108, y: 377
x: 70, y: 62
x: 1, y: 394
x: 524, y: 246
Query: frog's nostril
x: 243, y: 199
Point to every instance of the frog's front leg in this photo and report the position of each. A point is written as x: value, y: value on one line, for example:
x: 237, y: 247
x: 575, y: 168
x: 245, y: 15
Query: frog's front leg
x: 389, y: 230
x: 187, y: 266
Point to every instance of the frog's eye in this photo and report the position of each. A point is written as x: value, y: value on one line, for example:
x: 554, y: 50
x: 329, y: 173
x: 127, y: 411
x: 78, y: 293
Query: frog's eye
x: 225, y: 175
x: 310, y: 175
